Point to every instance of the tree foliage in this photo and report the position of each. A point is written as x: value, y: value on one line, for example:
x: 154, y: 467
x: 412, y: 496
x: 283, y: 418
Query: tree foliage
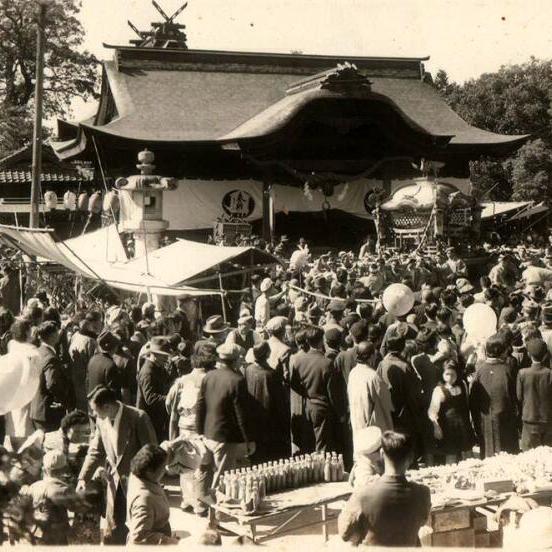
x: 517, y: 99
x: 69, y: 71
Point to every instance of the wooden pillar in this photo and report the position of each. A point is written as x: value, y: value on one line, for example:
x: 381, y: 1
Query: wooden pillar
x: 267, y: 211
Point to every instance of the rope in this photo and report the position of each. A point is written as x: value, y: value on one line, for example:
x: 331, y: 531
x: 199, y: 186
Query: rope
x: 322, y: 296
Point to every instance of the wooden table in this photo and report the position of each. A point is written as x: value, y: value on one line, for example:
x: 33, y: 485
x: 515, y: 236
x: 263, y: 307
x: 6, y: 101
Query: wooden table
x: 287, y: 505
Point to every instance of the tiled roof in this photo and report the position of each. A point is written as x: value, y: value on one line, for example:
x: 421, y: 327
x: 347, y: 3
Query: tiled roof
x: 24, y: 177
x: 187, y: 96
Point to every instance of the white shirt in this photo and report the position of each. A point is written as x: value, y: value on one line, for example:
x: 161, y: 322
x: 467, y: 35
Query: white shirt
x: 262, y: 310
x: 112, y: 430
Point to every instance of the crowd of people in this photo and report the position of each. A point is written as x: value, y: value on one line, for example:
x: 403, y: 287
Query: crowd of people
x: 312, y: 361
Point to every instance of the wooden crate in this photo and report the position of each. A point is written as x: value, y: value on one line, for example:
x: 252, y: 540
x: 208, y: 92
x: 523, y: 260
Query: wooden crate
x: 449, y: 520
x: 457, y: 538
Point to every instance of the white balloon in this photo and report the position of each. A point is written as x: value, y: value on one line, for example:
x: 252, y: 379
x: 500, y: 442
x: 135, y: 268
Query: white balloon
x: 479, y: 321
x: 19, y: 381
x: 398, y: 299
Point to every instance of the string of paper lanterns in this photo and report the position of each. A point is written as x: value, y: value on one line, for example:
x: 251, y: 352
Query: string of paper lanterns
x: 93, y: 204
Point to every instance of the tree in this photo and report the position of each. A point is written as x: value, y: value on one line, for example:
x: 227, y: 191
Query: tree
x: 532, y: 172
x: 69, y: 71
x: 490, y: 179
x: 514, y: 100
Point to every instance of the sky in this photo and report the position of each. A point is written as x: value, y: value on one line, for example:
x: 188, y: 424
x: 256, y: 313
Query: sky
x: 464, y: 37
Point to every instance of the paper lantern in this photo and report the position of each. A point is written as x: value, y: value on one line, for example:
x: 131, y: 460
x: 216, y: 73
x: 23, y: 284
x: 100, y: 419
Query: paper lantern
x: 398, y: 299
x: 479, y: 321
x: 111, y: 202
x: 70, y: 200
x: 50, y: 200
x: 19, y: 381
x: 95, y: 203
x: 82, y: 202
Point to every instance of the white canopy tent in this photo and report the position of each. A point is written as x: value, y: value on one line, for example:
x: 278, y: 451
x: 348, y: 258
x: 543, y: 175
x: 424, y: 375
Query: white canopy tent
x: 100, y: 255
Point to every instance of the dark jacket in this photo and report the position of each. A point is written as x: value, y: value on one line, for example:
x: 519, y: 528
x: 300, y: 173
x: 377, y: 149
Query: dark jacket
x: 54, y: 396
x: 153, y: 386
x: 102, y: 370
x: 534, y: 392
x: 221, y: 409
x: 312, y: 377
x: 493, y: 405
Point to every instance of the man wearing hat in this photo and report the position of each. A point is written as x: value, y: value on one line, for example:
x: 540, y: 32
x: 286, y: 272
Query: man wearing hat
x: 369, y: 397
x: 244, y: 335
x: 546, y: 328
x: 153, y: 386
x: 102, y: 369
x: 375, y: 280
x: 534, y: 392
x: 493, y: 401
x: 278, y: 358
x: 335, y: 310
x: 503, y: 274
x: 82, y: 347
x: 222, y: 415
x: 265, y: 301
x: 215, y: 331
x: 269, y: 407
x: 51, y: 522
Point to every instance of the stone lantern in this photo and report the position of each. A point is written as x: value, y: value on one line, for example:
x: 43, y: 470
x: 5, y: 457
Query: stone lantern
x: 141, y: 204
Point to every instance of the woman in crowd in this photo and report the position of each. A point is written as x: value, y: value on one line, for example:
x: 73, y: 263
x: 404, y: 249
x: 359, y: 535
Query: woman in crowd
x: 449, y: 414
x: 147, y: 504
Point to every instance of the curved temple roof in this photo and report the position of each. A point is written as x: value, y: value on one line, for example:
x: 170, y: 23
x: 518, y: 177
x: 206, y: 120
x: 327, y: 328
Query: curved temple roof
x: 217, y: 97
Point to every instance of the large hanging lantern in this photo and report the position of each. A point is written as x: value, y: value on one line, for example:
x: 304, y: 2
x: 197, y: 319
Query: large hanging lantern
x: 95, y: 203
x: 70, y: 200
x: 111, y: 202
x: 50, y: 200
x: 82, y: 202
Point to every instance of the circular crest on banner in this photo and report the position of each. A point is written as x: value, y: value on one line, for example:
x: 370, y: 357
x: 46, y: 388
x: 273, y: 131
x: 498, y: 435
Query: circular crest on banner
x: 372, y: 197
x: 238, y: 203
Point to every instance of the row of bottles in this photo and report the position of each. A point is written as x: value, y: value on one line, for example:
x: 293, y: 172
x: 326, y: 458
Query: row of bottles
x: 271, y: 477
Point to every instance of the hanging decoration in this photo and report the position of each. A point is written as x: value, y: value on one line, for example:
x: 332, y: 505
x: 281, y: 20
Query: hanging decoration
x: 70, y: 201
x: 82, y: 202
x: 95, y: 203
x: 50, y: 200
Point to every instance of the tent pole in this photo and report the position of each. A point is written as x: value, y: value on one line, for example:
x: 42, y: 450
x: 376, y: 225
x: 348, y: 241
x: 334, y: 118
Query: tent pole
x: 224, y: 313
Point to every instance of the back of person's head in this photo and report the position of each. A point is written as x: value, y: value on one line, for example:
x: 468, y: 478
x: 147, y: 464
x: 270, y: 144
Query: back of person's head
x: 485, y: 282
x: 6, y: 320
x: 51, y: 314
x: 74, y: 418
x: 495, y: 346
x: 395, y: 344
x: 33, y: 314
x: 375, y: 333
x: 315, y: 336
x: 365, y: 352
x: 333, y: 338
x: 359, y: 331
x: 148, y: 459
x: 466, y: 300
x: 365, y: 311
x: 443, y: 315
x: 537, y: 349
x: 431, y: 311
x: 47, y: 330
x: 397, y: 447
x: 410, y: 349
x: 448, y: 298
x: 102, y: 396
x: 21, y: 329
x: 300, y: 337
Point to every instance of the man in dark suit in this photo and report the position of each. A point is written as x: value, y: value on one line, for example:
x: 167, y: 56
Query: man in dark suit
x: 311, y: 378
x: 406, y: 391
x: 221, y: 413
x: 121, y: 431
x: 55, y: 393
x: 534, y: 392
x: 102, y: 369
x: 153, y: 386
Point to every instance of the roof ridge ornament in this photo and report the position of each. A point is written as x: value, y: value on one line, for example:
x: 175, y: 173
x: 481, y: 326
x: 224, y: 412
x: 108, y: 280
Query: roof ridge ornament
x: 346, y: 78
